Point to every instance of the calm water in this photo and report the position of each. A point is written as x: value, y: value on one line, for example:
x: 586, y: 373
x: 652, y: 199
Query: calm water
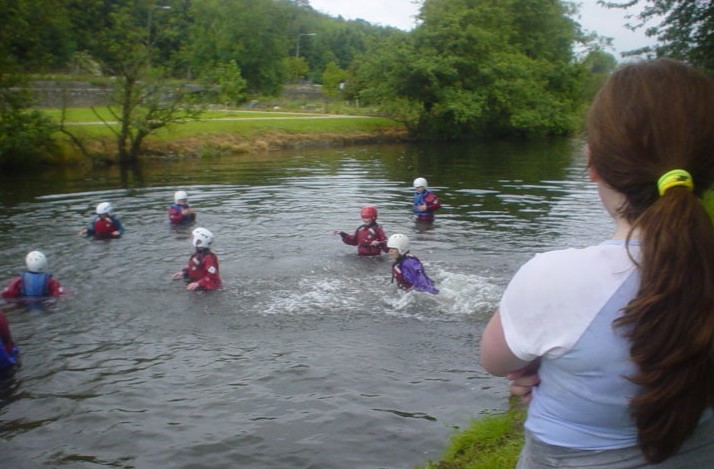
x: 307, y: 357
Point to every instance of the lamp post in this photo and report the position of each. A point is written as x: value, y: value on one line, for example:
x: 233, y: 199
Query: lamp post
x: 297, y: 48
x: 148, y: 24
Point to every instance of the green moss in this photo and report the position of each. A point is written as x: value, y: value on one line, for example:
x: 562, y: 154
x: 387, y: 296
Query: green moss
x: 493, y: 442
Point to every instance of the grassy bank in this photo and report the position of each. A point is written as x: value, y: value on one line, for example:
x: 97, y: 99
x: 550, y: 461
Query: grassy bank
x: 229, y: 131
x: 492, y: 442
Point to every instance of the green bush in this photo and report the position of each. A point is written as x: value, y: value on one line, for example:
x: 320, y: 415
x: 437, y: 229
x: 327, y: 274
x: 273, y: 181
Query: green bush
x: 25, y: 134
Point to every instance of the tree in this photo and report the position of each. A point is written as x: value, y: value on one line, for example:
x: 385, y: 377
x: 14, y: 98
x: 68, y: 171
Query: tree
x: 598, y: 65
x: 249, y: 32
x: 333, y: 78
x: 142, y: 100
x: 25, y: 134
x: 225, y: 85
x: 295, y: 68
x: 480, y: 68
x: 685, y: 30
x: 36, y: 41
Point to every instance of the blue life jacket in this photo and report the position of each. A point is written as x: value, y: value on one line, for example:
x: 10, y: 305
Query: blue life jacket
x: 418, y: 200
x: 35, y: 284
x: 188, y: 218
x: 7, y: 359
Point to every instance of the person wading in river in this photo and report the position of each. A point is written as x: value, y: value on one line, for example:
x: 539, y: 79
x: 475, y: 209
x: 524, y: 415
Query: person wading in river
x: 369, y: 236
x: 35, y: 282
x: 105, y: 225
x: 425, y: 201
x: 202, y: 272
x: 407, y: 270
x: 180, y: 213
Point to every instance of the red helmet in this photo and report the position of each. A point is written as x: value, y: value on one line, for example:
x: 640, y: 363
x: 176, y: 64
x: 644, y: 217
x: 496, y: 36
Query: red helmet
x: 368, y: 211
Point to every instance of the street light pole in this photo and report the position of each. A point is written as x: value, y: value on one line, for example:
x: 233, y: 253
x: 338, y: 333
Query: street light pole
x: 297, y: 48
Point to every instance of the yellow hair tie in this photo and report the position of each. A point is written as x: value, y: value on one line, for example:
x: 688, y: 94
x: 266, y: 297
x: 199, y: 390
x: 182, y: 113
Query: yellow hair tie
x: 676, y: 177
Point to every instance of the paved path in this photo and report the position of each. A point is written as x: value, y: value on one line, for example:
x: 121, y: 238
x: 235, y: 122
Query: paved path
x: 283, y: 116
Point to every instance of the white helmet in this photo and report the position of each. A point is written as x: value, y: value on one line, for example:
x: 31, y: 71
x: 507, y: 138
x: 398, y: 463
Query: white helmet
x: 420, y: 182
x: 400, y: 242
x: 104, y: 207
x: 180, y: 195
x: 36, y: 261
x: 202, y: 238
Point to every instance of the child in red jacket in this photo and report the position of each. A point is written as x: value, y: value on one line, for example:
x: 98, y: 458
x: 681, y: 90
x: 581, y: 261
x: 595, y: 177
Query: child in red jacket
x: 35, y: 282
x: 202, y: 271
x: 180, y: 212
x: 105, y: 225
x: 369, y: 237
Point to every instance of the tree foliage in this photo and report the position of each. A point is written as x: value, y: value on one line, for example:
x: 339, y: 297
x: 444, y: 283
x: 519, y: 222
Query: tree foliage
x: 480, y: 68
x: 142, y: 100
x: 295, y: 68
x: 36, y: 41
x: 254, y: 39
x: 225, y: 85
x: 472, y: 68
x: 332, y: 79
x: 598, y: 66
x: 25, y: 134
x: 684, y: 28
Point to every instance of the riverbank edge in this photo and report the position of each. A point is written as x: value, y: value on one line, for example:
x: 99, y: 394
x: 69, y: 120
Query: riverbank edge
x: 492, y: 442
x: 271, y: 141
x: 101, y: 150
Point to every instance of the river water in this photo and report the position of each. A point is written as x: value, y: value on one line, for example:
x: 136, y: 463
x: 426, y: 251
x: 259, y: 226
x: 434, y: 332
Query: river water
x: 307, y: 357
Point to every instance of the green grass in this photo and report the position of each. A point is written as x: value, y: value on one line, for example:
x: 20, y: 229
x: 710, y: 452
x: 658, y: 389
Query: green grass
x: 219, y: 123
x: 217, y: 132
x: 249, y: 129
x: 493, y: 442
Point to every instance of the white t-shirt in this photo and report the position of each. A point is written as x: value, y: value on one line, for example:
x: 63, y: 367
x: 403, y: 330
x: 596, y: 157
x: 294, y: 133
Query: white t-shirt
x: 560, y: 306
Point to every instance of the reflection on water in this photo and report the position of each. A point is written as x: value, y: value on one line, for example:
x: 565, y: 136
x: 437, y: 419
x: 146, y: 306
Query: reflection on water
x: 308, y: 356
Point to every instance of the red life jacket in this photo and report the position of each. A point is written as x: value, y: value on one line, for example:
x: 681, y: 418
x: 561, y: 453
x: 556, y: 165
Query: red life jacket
x: 103, y: 228
x: 363, y: 237
x: 398, y: 275
x: 203, y: 268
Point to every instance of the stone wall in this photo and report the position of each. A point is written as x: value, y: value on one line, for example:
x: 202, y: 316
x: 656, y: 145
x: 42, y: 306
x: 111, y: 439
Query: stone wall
x: 307, y: 91
x: 55, y: 94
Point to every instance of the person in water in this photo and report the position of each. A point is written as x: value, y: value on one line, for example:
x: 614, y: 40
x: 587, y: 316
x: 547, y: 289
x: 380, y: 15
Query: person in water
x: 9, y: 354
x: 369, y: 236
x: 105, y: 226
x: 425, y: 201
x: 202, y: 271
x: 407, y: 270
x: 180, y: 213
x: 35, y: 282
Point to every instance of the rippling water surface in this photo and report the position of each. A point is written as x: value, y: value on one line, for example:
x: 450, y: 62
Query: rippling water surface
x: 307, y: 357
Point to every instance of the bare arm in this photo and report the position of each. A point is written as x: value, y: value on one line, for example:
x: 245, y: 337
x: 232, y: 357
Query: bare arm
x: 496, y: 356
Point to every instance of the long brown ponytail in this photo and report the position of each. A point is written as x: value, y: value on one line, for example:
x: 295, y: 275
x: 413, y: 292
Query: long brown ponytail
x: 649, y: 118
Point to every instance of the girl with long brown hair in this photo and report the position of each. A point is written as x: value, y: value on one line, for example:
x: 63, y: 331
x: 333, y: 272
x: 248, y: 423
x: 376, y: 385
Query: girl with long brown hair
x: 622, y: 332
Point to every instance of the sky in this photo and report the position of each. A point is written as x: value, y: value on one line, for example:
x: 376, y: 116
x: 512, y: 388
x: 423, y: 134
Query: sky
x: 400, y: 14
